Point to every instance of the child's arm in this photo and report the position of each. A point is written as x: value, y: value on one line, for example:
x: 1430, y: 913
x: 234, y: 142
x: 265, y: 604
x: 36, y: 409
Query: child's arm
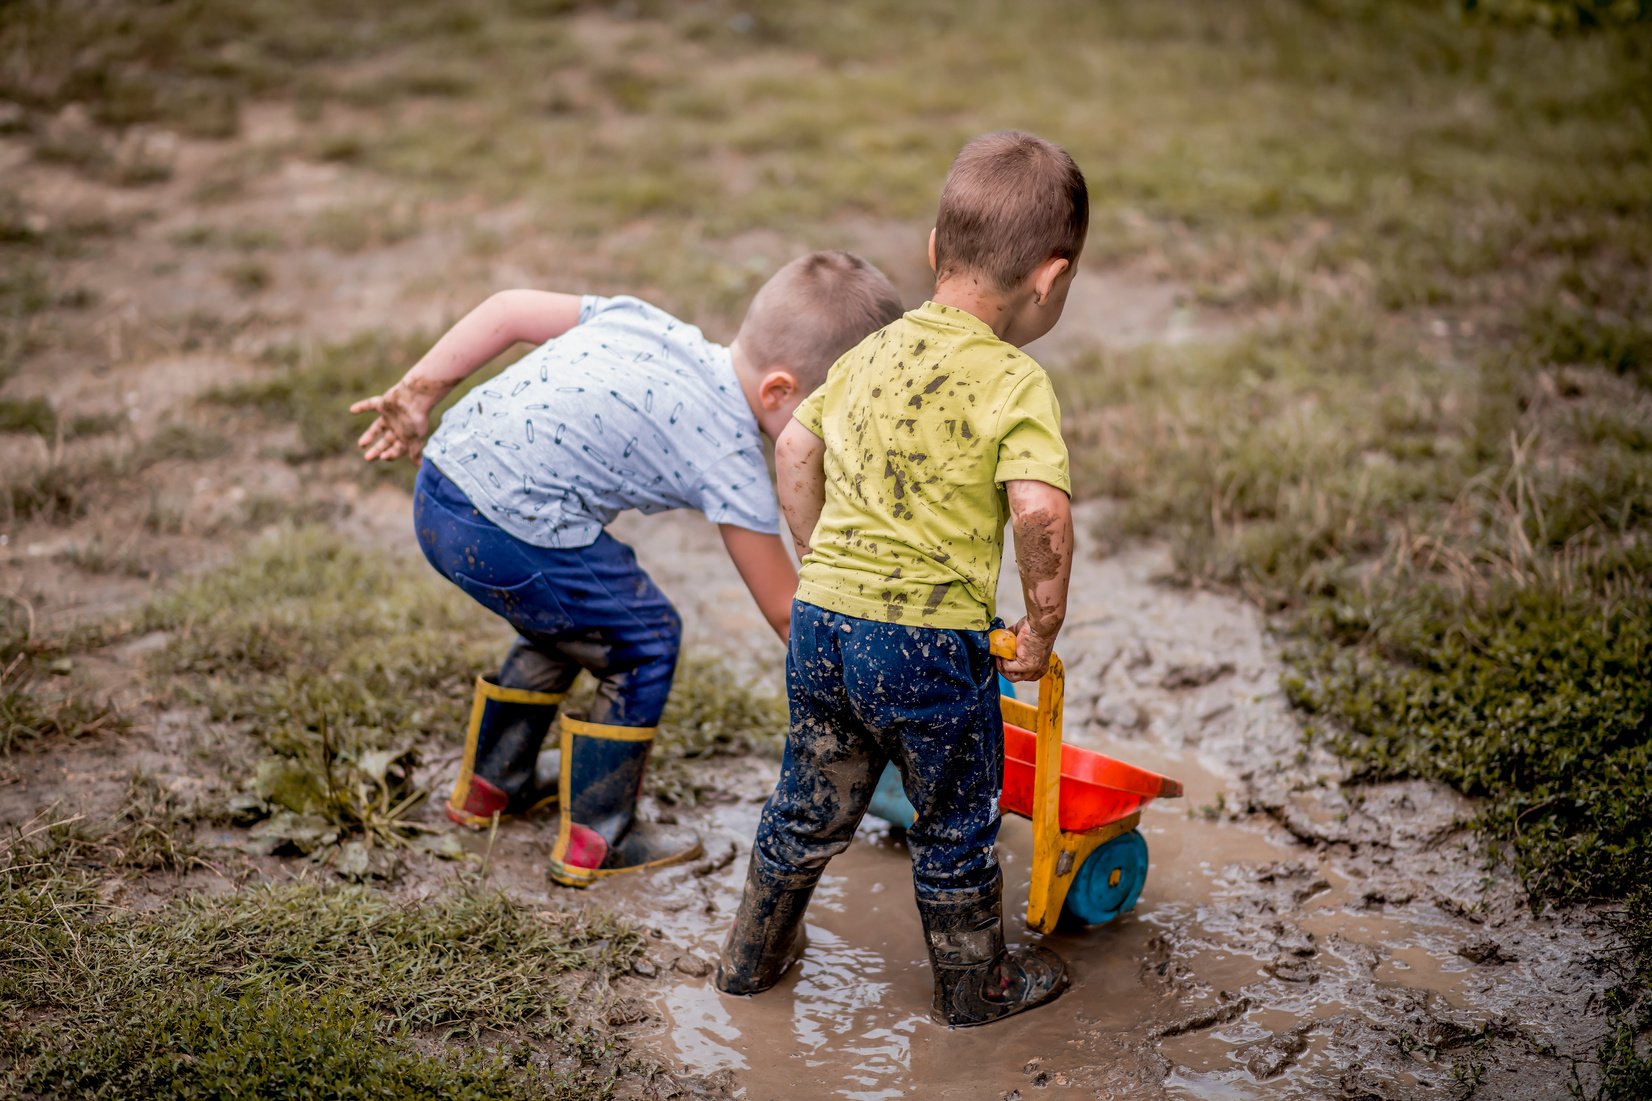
x: 504, y: 319
x: 1042, y: 518
x: 800, y: 482
x: 767, y: 570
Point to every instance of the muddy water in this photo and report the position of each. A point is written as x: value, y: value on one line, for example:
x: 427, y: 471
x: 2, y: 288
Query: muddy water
x: 1293, y: 940
x: 850, y: 1022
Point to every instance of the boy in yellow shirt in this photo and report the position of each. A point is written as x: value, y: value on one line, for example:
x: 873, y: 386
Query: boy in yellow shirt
x: 896, y: 478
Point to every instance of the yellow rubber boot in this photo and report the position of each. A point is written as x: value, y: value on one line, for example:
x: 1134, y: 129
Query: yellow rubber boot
x: 599, y: 834
x: 498, y: 775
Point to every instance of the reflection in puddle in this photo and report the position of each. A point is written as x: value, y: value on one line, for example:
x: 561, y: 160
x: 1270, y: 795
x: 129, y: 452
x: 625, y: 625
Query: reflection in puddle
x: 831, y: 999
x: 1230, y: 1085
x: 700, y: 1028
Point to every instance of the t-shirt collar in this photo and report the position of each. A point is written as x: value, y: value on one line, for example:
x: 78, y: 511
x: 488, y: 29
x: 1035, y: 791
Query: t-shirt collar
x: 937, y: 314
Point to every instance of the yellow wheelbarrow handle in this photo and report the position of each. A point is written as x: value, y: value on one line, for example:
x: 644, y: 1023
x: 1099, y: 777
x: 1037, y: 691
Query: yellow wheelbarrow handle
x: 1001, y: 643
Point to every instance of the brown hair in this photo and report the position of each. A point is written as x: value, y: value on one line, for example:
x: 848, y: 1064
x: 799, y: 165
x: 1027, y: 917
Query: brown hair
x: 813, y: 310
x: 1011, y: 201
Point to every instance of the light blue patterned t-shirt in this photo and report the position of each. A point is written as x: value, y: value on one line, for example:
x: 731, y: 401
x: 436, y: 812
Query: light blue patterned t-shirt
x: 629, y: 409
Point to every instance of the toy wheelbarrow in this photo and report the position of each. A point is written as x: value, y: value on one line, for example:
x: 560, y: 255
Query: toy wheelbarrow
x: 1089, y: 860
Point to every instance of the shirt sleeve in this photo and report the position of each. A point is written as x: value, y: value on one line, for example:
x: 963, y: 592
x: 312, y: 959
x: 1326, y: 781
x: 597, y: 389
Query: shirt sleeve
x: 1030, y: 447
x: 811, y: 411
x: 590, y: 305
x: 736, y: 490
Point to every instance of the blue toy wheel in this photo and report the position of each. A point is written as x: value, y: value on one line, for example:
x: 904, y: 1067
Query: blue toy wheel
x: 1109, y: 881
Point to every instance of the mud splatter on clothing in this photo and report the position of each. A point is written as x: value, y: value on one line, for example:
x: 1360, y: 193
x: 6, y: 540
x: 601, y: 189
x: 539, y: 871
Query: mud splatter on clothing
x: 923, y: 423
x: 863, y: 693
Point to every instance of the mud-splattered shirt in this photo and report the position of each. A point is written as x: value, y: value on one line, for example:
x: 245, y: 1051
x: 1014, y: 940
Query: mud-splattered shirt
x: 924, y: 422
x: 629, y: 409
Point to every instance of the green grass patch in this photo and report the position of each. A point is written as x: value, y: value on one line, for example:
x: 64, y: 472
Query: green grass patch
x: 36, y: 415
x: 54, y: 493
x: 295, y: 990
x: 340, y: 663
x: 1532, y: 696
x: 312, y: 386
x: 27, y: 415
x: 40, y: 702
x: 35, y: 712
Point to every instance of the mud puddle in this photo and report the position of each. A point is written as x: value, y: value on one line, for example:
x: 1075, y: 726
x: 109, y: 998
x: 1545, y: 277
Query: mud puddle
x: 851, y: 1021
x: 1294, y: 940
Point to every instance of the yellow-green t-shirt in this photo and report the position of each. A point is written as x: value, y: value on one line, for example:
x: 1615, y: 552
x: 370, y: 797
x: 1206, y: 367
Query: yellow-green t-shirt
x: 924, y: 421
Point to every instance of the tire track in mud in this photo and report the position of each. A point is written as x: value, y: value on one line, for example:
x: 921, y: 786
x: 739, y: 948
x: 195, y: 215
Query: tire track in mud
x: 1296, y: 938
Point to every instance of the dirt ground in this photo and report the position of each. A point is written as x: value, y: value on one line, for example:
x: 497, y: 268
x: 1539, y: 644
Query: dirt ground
x: 1296, y: 939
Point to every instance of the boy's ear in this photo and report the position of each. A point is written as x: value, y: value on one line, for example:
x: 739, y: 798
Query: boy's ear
x: 932, y: 266
x: 776, y: 388
x: 1045, y: 275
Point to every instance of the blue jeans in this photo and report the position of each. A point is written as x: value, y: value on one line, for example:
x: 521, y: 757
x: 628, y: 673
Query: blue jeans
x: 576, y: 608
x: 863, y: 693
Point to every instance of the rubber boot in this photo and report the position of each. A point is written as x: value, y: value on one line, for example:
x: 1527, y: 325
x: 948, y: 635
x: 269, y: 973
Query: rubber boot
x: 978, y: 980
x: 768, y: 935
x: 599, y: 835
x: 498, y: 774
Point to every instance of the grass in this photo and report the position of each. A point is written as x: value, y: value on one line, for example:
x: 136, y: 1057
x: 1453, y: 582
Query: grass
x: 313, y: 385
x: 339, y: 664
x: 68, y: 483
x: 33, y: 714
x: 38, y: 705
x: 294, y: 989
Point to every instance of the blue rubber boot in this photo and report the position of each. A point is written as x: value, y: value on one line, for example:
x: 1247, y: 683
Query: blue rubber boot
x: 599, y: 834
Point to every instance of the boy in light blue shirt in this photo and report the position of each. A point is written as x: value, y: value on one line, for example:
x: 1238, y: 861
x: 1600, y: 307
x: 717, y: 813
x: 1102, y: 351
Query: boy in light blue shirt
x: 622, y: 406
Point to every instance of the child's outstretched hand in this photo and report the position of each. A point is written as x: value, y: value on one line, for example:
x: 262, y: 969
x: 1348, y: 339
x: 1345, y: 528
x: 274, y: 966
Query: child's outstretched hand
x: 401, y: 425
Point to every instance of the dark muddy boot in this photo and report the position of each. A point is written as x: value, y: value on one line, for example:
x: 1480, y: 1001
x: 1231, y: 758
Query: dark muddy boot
x: 768, y: 936
x: 978, y: 980
x: 498, y: 774
x: 599, y: 834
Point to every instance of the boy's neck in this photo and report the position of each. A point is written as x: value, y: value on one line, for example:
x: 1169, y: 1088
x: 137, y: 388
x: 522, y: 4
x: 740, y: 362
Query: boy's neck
x: 980, y: 298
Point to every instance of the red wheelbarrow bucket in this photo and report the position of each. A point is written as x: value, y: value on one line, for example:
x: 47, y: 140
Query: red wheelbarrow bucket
x: 1096, y: 790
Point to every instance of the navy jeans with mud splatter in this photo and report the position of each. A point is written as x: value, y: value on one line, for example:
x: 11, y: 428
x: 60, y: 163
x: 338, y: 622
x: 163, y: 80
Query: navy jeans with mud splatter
x: 577, y: 608
x: 863, y: 693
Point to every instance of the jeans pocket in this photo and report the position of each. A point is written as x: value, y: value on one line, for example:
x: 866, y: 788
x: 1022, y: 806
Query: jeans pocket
x: 530, y: 606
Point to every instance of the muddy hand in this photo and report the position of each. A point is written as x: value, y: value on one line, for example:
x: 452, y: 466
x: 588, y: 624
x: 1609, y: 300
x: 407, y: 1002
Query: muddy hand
x: 399, y: 430
x: 1022, y: 654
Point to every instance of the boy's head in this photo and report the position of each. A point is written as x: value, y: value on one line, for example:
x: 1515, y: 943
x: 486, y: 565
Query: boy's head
x: 1014, y: 209
x: 807, y: 315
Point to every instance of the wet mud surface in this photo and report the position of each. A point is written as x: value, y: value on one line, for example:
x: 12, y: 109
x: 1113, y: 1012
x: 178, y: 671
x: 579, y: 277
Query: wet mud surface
x: 1294, y: 940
